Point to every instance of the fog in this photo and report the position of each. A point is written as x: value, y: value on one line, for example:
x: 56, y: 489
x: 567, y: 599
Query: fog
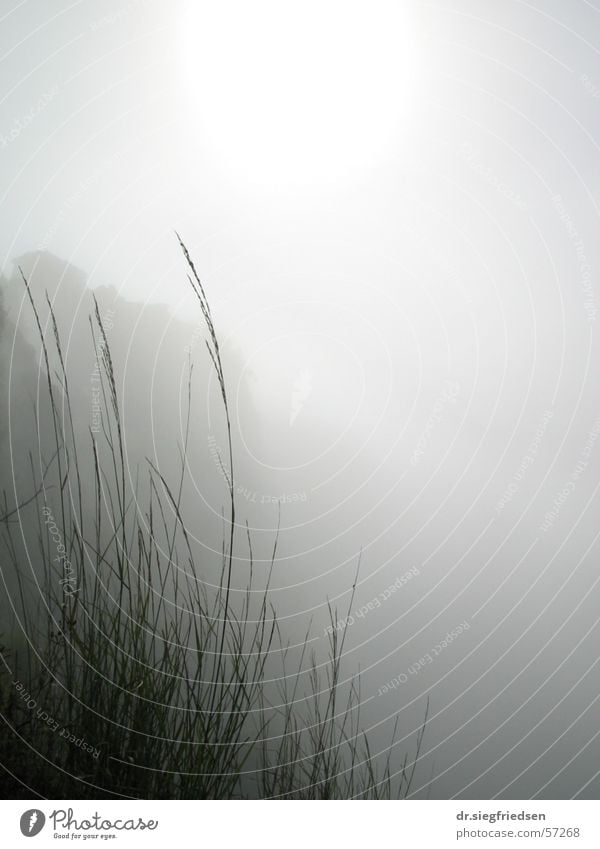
x: 402, y: 269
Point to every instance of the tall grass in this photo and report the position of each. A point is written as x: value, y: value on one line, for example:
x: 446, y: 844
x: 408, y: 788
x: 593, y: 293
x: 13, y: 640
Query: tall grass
x: 171, y: 685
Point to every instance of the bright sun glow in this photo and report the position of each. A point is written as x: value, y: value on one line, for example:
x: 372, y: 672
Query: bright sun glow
x: 298, y: 93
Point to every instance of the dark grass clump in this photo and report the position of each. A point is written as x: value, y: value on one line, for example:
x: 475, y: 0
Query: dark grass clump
x: 131, y: 672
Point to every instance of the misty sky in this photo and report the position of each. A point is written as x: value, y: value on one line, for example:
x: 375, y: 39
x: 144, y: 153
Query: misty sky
x: 394, y: 208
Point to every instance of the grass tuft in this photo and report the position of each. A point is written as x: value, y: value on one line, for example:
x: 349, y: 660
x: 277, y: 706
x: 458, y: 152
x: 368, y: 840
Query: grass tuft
x: 137, y: 675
